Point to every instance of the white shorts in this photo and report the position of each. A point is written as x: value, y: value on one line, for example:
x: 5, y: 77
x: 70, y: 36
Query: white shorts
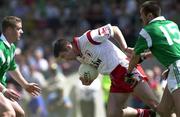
x: 173, y: 80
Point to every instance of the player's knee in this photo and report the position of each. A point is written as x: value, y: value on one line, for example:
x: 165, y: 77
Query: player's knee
x: 114, y: 113
x: 7, y: 110
x: 9, y: 113
x: 163, y: 113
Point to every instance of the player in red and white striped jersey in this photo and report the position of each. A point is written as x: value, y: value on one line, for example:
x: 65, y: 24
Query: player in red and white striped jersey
x: 95, y: 48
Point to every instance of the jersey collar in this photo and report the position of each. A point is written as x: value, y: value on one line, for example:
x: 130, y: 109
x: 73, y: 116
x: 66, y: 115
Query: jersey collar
x: 3, y: 38
x: 158, y: 18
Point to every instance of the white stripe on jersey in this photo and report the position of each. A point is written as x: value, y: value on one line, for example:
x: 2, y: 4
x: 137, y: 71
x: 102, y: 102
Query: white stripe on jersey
x: 146, y: 36
x: 2, y: 57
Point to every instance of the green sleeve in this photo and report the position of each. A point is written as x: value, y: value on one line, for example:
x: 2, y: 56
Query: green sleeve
x: 140, y: 46
x: 13, y: 65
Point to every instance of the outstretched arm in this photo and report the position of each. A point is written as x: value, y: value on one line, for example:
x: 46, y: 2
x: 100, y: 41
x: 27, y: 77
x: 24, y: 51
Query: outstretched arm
x: 32, y: 88
x: 119, y: 37
x: 121, y: 40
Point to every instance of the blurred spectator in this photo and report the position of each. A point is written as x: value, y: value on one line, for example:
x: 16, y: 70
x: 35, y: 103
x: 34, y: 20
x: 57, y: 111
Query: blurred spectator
x: 53, y: 14
x: 58, y: 102
x: 91, y: 99
x: 37, y: 77
x: 153, y: 82
x: 37, y: 107
x: 40, y: 62
x: 106, y: 83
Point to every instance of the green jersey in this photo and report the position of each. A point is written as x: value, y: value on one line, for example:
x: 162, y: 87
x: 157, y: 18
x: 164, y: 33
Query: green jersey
x: 162, y: 38
x: 7, y: 62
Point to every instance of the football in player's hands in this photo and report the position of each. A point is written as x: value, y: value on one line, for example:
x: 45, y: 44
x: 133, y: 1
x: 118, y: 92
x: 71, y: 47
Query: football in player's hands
x: 88, y: 71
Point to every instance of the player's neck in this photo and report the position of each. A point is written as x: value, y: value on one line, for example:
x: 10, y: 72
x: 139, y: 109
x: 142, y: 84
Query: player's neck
x: 8, y: 38
x: 76, y: 50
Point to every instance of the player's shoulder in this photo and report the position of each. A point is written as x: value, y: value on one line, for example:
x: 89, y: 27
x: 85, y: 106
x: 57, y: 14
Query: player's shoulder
x: 1, y: 43
x: 83, y: 39
x: 150, y: 28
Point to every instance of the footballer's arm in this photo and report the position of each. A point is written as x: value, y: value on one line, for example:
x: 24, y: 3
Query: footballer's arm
x: 120, y: 39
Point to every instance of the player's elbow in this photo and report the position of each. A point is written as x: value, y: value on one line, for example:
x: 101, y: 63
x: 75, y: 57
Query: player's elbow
x: 115, y: 28
x: 116, y: 31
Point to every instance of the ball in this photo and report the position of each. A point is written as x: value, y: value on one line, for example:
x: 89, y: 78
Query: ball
x: 88, y: 71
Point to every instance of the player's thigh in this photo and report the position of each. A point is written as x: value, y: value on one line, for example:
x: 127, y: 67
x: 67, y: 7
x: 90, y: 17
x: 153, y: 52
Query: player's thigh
x: 18, y: 109
x: 5, y: 105
x: 116, y: 102
x: 145, y: 93
x: 166, y: 105
x: 176, y: 98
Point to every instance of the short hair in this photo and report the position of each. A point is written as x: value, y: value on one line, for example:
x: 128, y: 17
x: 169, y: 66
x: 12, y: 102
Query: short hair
x: 59, y: 45
x: 151, y: 7
x: 10, y: 21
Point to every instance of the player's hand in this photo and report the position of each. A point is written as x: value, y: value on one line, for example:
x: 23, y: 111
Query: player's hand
x: 80, y: 59
x: 83, y: 59
x: 33, y: 89
x: 12, y: 95
x: 129, y: 79
x: 129, y: 52
x: 85, y: 81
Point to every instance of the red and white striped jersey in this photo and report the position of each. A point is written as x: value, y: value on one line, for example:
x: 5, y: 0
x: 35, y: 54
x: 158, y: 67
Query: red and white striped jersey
x: 99, y: 51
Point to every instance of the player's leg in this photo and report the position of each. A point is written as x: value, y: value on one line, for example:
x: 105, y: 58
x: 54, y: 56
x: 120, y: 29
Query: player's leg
x: 145, y: 93
x: 6, y: 109
x: 117, y: 107
x: 119, y: 93
x: 19, y: 111
x: 174, y: 85
x: 176, y: 98
x: 116, y: 103
x: 173, y: 89
x: 166, y: 105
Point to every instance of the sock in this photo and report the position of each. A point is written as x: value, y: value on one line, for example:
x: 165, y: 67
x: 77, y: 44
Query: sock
x: 143, y: 113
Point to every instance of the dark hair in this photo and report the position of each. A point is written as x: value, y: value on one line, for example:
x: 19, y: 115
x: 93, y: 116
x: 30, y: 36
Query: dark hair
x: 59, y: 46
x: 151, y: 7
x: 10, y: 21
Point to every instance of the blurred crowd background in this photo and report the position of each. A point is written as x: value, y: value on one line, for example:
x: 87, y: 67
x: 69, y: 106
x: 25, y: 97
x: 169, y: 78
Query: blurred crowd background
x: 46, y: 20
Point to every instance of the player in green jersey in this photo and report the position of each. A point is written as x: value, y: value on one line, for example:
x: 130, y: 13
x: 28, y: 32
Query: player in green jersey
x: 162, y: 38
x: 11, y: 32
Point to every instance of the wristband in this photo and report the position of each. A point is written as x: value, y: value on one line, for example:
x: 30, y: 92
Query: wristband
x: 129, y: 78
x: 4, y: 90
x: 143, y: 56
